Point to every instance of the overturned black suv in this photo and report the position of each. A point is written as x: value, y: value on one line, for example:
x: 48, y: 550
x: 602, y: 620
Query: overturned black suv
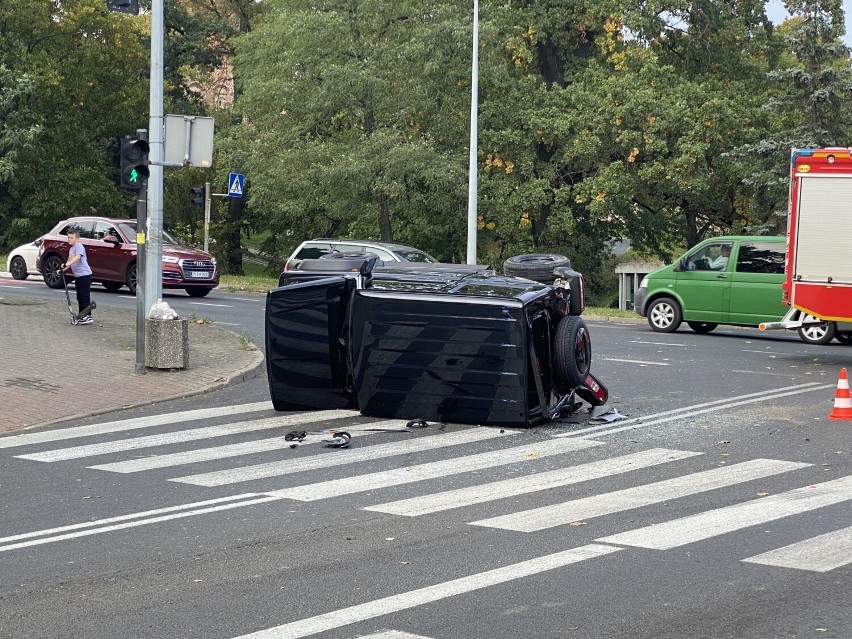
x: 450, y: 343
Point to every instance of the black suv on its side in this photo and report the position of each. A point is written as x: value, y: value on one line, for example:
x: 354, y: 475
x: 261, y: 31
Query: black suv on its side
x: 449, y: 343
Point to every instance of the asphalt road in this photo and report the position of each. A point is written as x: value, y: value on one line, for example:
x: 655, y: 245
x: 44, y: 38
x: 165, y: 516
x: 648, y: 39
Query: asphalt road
x: 717, y: 508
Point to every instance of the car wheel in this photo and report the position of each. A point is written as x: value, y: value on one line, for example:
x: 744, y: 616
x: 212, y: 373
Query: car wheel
x: 844, y: 338
x: 52, y: 271
x: 18, y: 268
x: 702, y: 327
x: 198, y: 292
x: 535, y: 266
x: 130, y: 278
x: 664, y: 315
x: 112, y: 287
x: 572, y: 353
x: 818, y: 335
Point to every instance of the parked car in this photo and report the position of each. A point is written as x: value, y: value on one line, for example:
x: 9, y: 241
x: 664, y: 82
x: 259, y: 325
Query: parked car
x: 416, y: 341
x: 706, y: 288
x: 22, y: 261
x: 314, y: 249
x: 111, y: 250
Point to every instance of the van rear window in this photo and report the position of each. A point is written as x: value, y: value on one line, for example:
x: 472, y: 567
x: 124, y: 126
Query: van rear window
x: 761, y: 257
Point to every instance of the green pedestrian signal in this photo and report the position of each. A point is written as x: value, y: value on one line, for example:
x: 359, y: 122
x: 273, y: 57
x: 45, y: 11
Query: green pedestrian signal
x: 134, y: 162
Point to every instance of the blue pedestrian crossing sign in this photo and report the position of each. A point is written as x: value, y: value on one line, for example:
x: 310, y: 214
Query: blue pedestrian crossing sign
x: 235, y: 184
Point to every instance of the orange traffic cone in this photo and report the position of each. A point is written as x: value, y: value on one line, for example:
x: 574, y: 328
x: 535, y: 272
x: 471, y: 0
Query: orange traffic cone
x: 842, y: 399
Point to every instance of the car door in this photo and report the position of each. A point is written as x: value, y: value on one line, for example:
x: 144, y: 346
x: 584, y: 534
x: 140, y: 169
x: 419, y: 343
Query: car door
x: 756, y: 283
x: 705, y: 292
x: 105, y: 257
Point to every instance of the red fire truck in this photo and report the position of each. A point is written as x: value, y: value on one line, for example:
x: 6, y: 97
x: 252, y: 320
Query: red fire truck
x: 818, y: 270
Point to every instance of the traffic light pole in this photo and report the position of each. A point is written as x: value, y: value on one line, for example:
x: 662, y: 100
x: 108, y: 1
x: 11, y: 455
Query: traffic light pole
x: 141, y: 224
x: 207, y: 203
x: 153, y: 278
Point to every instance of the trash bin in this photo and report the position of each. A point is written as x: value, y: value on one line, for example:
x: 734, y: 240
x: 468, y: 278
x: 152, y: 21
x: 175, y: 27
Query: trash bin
x: 167, y: 343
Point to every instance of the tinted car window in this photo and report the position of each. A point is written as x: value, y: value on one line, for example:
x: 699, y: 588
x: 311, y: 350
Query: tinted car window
x: 313, y: 251
x: 761, y: 257
x: 128, y: 230
x: 85, y: 228
x: 411, y: 255
x: 103, y: 230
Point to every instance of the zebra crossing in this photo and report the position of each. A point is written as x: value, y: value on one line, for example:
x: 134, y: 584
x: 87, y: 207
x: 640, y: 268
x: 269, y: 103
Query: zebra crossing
x: 464, y: 453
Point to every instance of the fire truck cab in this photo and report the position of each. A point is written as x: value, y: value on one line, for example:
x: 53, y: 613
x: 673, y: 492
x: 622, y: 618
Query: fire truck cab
x: 818, y: 269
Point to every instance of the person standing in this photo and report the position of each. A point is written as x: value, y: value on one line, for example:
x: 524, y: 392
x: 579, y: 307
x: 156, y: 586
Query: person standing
x: 79, y: 266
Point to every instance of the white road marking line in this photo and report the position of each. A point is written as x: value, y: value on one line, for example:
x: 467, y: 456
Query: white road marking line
x: 719, y: 521
x: 112, y: 520
x: 27, y: 438
x: 228, y: 324
x: 483, y: 493
x: 689, y: 411
x: 819, y: 554
x: 391, y: 634
x: 210, y: 304
x: 639, y: 341
x: 734, y: 370
x: 345, y: 456
x: 638, y: 496
x: 431, y: 470
x: 746, y: 350
x: 247, y: 299
x: 149, y: 441
x: 12, y: 286
x: 275, y: 443
x: 413, y: 598
x: 633, y: 361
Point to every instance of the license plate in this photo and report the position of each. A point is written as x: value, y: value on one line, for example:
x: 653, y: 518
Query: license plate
x: 203, y: 274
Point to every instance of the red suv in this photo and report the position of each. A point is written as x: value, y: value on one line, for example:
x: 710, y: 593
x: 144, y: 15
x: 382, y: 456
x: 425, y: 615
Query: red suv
x: 111, y: 252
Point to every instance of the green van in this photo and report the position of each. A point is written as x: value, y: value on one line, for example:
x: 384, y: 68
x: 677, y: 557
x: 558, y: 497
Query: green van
x: 723, y: 280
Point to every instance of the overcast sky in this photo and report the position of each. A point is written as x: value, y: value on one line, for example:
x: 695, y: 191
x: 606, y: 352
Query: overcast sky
x: 776, y: 12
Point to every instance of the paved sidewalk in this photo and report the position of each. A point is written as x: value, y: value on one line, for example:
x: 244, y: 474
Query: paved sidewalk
x: 51, y: 371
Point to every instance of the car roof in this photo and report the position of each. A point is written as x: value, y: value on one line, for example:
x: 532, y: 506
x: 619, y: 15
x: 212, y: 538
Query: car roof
x: 100, y: 218
x: 388, y: 245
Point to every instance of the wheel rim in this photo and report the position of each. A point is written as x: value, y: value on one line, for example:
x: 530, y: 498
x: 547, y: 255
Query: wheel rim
x: 814, y: 333
x: 18, y: 268
x: 583, y: 351
x: 132, y: 279
x: 52, y: 271
x: 662, y: 315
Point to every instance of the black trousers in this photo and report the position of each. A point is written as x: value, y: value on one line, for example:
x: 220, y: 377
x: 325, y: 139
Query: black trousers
x: 83, y: 284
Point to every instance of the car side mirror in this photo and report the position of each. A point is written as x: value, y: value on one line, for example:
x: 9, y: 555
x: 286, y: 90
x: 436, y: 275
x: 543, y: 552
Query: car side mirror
x: 111, y: 239
x: 679, y: 265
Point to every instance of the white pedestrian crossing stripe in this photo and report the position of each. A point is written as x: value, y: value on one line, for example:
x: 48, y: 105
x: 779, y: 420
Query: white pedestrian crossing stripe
x: 432, y: 470
x: 687, y: 530
x: 343, y: 457
x: 483, y: 493
x: 820, y: 554
x: 391, y: 634
x: 638, y: 496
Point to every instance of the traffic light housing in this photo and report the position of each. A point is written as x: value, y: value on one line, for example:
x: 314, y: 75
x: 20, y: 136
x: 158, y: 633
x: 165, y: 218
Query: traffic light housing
x: 198, y: 197
x: 134, y: 162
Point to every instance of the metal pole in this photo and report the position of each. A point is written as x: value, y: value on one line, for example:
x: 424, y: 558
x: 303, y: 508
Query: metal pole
x: 207, y: 198
x: 141, y: 226
x: 154, y: 263
x: 474, y: 107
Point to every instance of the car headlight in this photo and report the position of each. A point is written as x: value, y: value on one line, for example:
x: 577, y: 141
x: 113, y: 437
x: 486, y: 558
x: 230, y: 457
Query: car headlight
x: 168, y: 259
x: 643, y: 283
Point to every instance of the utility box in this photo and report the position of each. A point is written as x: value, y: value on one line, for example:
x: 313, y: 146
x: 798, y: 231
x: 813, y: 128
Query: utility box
x: 166, y: 343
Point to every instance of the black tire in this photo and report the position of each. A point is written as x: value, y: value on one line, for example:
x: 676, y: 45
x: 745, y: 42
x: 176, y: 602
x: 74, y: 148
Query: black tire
x: 572, y: 354
x: 844, y: 338
x: 52, y: 272
x: 112, y: 287
x: 702, y: 327
x: 818, y: 335
x: 535, y: 266
x: 198, y: 292
x: 664, y: 315
x: 130, y: 278
x: 18, y: 268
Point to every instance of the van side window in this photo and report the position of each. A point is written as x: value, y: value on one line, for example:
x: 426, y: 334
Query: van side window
x: 761, y: 257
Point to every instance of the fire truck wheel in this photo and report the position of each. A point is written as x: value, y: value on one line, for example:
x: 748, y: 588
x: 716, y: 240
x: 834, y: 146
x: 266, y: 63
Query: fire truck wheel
x: 664, y: 315
x: 844, y: 338
x: 702, y: 327
x: 818, y: 335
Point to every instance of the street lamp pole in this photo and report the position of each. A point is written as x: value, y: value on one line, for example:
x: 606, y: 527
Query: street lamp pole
x: 472, y: 169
